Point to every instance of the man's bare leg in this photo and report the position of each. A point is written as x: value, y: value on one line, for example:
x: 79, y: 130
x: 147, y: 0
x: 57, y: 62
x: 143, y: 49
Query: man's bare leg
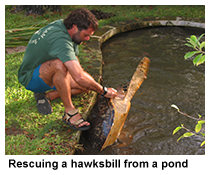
x: 54, y: 94
x: 54, y: 73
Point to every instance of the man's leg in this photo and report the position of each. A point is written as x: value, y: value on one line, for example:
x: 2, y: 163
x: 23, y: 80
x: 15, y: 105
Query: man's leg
x: 55, y: 73
x: 54, y: 93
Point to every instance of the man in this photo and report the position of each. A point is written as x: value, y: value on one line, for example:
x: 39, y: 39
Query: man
x: 51, y: 63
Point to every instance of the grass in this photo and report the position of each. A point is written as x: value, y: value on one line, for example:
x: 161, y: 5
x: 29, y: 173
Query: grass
x: 27, y: 131
x: 122, y: 12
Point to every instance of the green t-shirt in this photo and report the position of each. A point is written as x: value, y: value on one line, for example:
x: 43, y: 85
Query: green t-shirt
x: 50, y: 42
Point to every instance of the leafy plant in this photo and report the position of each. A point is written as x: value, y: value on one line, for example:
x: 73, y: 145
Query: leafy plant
x: 21, y: 36
x: 189, y: 133
x: 194, y: 42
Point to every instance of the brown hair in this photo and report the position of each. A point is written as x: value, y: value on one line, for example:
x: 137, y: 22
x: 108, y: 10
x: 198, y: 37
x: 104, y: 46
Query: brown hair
x: 83, y: 18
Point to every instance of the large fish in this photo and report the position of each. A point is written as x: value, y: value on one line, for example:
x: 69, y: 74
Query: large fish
x: 108, y: 115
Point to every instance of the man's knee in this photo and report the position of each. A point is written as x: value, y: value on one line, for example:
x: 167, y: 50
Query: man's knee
x: 59, y: 65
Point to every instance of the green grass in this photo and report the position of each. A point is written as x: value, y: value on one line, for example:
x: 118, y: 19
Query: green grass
x: 36, y: 133
x: 122, y: 12
x: 29, y: 132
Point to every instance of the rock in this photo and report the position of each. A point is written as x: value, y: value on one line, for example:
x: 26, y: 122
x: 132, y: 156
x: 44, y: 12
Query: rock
x: 11, y: 50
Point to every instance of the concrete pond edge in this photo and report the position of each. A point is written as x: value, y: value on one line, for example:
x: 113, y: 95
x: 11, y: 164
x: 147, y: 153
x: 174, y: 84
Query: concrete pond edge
x: 106, y: 32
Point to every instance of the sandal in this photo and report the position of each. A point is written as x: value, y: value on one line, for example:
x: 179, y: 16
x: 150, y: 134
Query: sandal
x: 66, y: 119
x: 43, y: 103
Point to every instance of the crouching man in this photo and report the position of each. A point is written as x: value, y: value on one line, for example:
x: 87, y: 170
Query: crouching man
x: 51, y: 63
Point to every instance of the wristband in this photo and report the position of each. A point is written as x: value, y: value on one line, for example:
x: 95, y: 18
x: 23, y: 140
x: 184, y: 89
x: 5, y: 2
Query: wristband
x: 105, y: 91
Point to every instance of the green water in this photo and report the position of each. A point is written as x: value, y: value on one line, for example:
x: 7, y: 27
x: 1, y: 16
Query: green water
x: 171, y: 80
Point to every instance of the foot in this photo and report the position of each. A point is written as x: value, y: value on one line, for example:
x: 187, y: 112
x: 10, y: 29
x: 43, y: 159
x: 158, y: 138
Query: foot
x: 75, y: 121
x: 76, y: 118
x: 43, y: 103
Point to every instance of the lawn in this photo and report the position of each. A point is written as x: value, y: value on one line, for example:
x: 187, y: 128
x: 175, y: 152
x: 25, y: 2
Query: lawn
x: 26, y: 130
x: 29, y: 132
x: 122, y: 13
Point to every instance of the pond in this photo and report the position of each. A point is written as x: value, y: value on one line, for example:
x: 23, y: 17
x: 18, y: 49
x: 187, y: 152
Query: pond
x: 170, y: 80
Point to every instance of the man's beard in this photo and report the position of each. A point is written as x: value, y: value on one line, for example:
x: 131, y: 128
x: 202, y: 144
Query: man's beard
x: 76, y: 39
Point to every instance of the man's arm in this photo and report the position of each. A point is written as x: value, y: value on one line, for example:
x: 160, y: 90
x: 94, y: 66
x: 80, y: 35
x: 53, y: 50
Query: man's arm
x: 85, y: 80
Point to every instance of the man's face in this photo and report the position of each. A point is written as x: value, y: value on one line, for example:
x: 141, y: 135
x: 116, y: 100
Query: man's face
x: 83, y: 35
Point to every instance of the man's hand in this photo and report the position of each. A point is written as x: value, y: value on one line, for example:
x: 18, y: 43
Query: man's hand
x: 87, y: 81
x: 112, y: 93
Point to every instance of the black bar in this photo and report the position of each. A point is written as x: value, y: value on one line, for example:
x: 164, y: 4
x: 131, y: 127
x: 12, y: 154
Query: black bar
x: 98, y: 164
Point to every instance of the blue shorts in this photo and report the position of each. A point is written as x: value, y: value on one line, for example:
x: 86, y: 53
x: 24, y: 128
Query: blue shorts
x: 36, y: 84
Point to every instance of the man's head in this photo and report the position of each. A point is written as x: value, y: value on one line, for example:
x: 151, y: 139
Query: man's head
x: 81, y: 23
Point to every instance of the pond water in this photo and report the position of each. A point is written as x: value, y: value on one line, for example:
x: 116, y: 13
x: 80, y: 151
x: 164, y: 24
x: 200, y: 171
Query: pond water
x: 170, y: 80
